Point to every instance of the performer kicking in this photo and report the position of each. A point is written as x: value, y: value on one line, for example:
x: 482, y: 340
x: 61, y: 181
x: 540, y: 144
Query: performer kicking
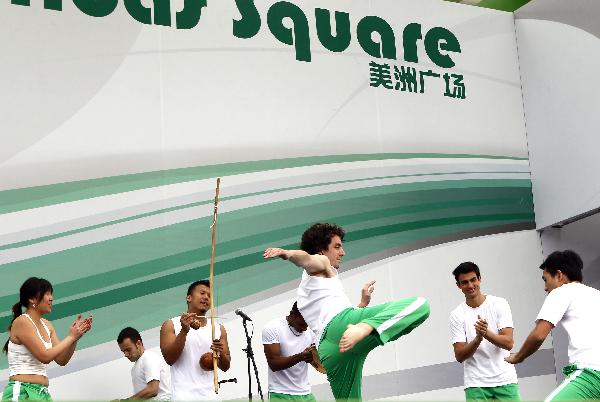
x: 33, y: 343
x: 575, y: 306
x: 183, y: 348
x: 346, y: 334
x: 288, y: 348
x: 482, y: 335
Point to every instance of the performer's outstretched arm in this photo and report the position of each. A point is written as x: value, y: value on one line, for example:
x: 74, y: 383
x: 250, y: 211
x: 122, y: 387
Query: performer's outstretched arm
x: 313, y: 264
x: 532, y: 343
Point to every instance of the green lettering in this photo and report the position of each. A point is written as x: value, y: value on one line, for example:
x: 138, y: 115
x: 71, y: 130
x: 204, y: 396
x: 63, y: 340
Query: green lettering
x: 341, y: 40
x: 162, y: 12
x: 249, y: 24
x: 138, y: 11
x: 96, y: 8
x: 48, y: 4
x: 440, y: 38
x: 387, y: 47
x: 189, y: 17
x: 410, y: 35
x: 298, y: 35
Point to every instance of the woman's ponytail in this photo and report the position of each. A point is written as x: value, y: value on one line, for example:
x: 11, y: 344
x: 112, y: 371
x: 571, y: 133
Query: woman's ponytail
x: 17, y: 310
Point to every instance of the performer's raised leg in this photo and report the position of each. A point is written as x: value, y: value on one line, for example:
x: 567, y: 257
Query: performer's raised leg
x: 387, y: 322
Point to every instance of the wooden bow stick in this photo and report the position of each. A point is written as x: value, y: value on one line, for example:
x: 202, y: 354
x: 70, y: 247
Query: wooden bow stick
x: 212, y: 288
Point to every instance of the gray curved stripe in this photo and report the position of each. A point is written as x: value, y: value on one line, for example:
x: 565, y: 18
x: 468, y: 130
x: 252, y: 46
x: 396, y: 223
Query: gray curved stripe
x: 433, y: 377
x: 106, y: 352
x: 405, y: 248
x: 582, y: 14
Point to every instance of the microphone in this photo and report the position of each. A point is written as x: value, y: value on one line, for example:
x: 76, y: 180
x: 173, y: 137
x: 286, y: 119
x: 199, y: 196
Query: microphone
x: 242, y: 314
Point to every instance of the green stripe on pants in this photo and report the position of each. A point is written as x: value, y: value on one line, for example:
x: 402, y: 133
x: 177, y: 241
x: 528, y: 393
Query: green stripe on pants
x: 580, y: 384
x: 389, y: 320
x: 20, y: 391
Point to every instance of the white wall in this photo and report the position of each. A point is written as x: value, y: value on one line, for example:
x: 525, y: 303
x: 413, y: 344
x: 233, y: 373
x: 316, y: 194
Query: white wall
x: 559, y: 56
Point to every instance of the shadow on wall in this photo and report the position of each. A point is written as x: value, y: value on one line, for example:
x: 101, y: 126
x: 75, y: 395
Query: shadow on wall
x: 591, y: 274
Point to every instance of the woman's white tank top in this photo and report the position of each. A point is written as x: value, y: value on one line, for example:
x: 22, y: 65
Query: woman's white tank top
x: 20, y: 359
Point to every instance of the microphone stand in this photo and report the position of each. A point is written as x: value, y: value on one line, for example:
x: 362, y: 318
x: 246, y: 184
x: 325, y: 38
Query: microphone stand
x: 250, y: 356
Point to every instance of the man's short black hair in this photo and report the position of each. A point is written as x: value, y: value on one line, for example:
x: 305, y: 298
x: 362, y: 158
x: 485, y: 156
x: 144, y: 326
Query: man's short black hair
x: 568, y: 262
x: 204, y: 282
x: 465, y: 268
x: 130, y: 333
x: 317, y: 237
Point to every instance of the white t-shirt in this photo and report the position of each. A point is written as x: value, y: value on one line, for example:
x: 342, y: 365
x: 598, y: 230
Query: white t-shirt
x: 575, y: 306
x: 150, y: 366
x: 319, y: 300
x: 486, y: 368
x: 294, y: 380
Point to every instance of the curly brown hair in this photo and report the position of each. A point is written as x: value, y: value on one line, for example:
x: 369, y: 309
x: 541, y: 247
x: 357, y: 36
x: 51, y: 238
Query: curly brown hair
x: 317, y: 237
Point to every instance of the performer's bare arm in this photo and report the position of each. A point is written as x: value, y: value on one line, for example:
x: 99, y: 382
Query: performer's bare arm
x: 278, y: 362
x: 23, y: 332
x: 464, y: 350
x: 149, y: 391
x: 221, y: 346
x: 313, y: 264
x: 171, y: 346
x: 532, y: 343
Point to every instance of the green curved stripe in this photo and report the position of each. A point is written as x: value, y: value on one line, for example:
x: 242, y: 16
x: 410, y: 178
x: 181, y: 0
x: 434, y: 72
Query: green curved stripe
x: 208, y: 202
x: 121, y: 275
x: 35, y: 197
x: 503, y: 5
x: 92, y: 260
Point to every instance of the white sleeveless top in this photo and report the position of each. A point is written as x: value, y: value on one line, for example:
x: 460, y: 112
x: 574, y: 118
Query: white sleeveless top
x: 319, y: 300
x: 189, y: 381
x: 20, y: 359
